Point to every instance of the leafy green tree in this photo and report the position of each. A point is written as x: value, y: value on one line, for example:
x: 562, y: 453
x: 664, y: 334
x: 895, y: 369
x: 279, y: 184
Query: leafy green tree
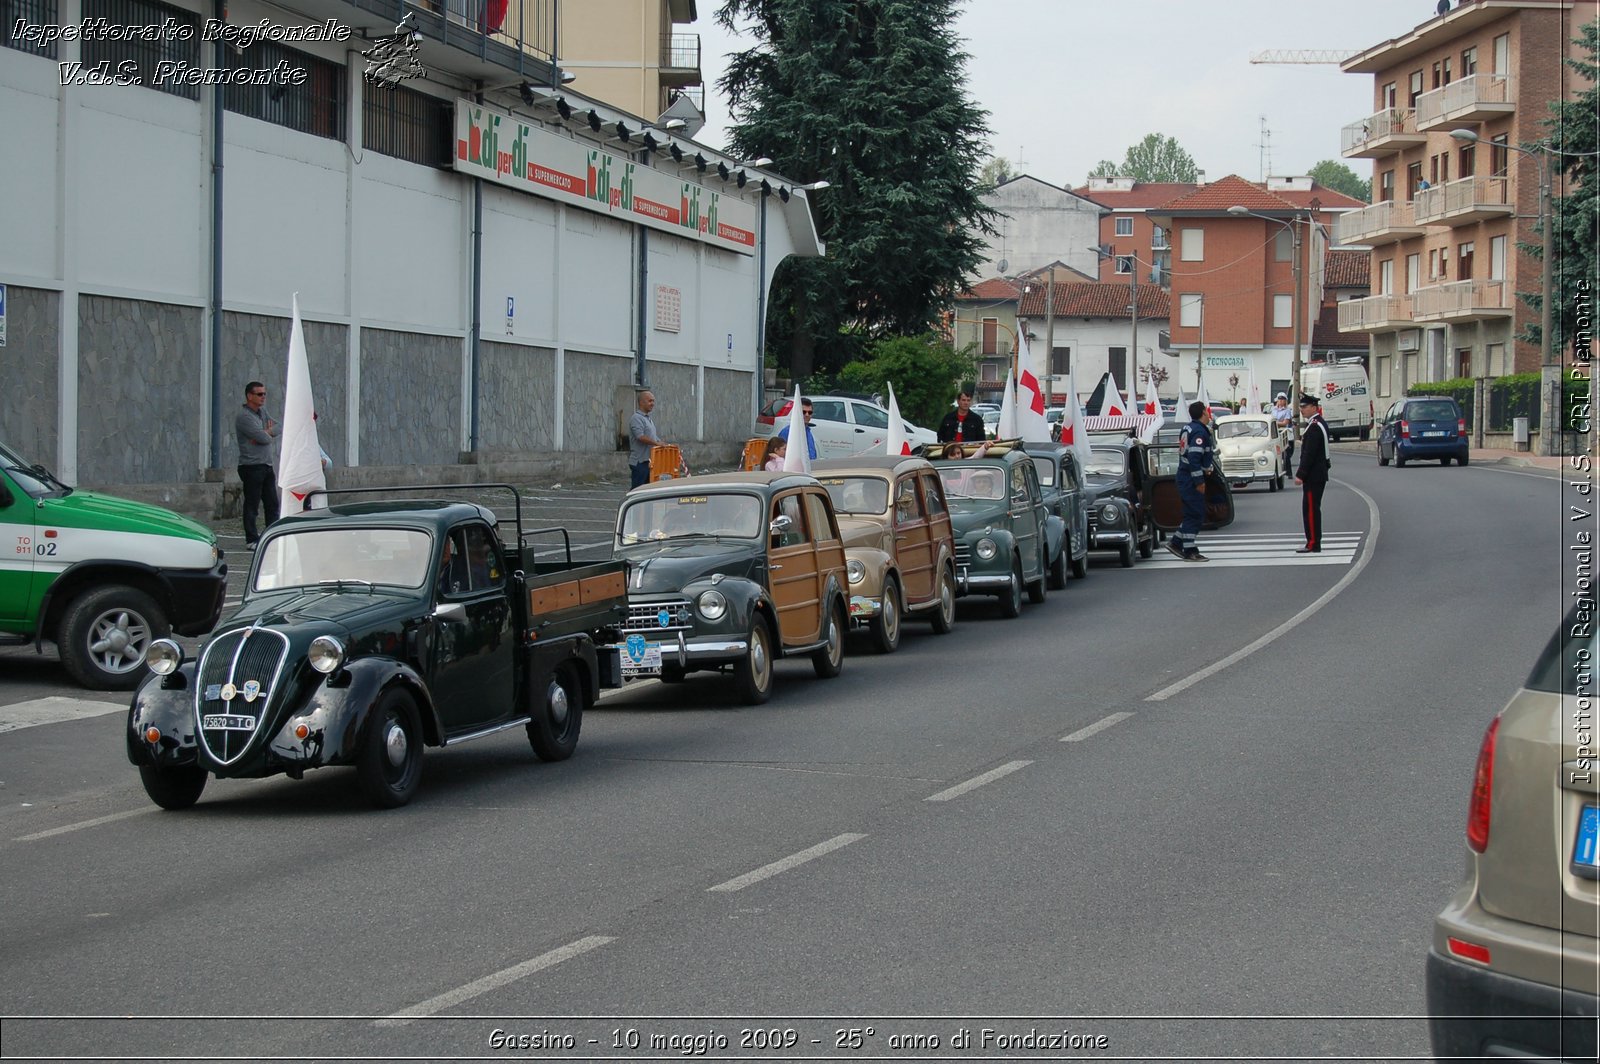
x: 1576, y: 220
x: 1339, y: 177
x: 924, y: 370
x: 870, y: 96
x: 997, y: 171
x: 1155, y: 158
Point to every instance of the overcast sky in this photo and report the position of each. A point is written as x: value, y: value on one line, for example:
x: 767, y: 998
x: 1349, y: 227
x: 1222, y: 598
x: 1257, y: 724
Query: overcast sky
x: 1070, y: 82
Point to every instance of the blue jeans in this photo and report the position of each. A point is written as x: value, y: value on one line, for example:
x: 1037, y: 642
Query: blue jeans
x: 260, y: 489
x: 1194, y: 513
x: 639, y: 473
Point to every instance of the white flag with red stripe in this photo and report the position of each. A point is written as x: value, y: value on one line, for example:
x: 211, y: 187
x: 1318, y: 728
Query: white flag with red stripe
x: 300, y: 456
x: 897, y: 443
x: 1111, y: 404
x: 1032, y: 425
x: 1152, y: 405
x: 1072, y: 431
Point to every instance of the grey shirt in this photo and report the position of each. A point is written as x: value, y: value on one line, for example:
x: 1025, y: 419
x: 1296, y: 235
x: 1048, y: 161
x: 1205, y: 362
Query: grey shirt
x: 639, y: 425
x: 255, y: 440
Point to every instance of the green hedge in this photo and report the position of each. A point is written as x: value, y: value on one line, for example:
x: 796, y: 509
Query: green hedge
x: 1512, y: 396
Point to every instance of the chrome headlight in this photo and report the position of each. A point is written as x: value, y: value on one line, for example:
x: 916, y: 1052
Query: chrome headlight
x: 713, y: 605
x: 855, y: 571
x: 1263, y: 458
x: 325, y: 654
x: 163, y: 656
x: 984, y: 549
x: 1109, y: 514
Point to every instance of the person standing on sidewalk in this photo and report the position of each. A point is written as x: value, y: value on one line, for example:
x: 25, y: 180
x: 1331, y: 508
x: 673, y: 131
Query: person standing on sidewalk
x: 1313, y: 472
x: 642, y: 436
x: 255, y: 432
x: 1197, y: 453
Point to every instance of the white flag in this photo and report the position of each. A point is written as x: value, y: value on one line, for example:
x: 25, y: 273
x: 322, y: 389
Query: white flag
x: 1152, y: 405
x: 797, y: 459
x: 1111, y: 403
x: 300, y: 455
x: 1008, y: 411
x: 1032, y: 425
x: 1252, y: 399
x: 897, y: 443
x: 1072, y: 431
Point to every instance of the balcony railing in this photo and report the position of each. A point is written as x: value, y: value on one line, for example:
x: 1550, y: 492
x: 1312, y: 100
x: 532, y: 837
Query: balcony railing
x: 1473, y: 98
x: 522, y: 40
x: 1381, y: 223
x: 1462, y: 301
x: 1374, y: 313
x: 1464, y: 200
x: 1384, y: 133
x: 680, y: 58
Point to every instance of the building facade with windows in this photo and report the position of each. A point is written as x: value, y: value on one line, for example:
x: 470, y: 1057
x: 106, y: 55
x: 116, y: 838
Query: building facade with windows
x: 636, y: 55
x: 476, y: 278
x: 1447, y: 213
x: 1038, y: 224
x: 1137, y: 244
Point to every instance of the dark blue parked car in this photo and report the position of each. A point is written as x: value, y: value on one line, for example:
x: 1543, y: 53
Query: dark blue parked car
x: 1423, y: 427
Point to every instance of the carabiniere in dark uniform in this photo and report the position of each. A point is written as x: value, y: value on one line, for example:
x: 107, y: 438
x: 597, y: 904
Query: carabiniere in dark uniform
x: 1312, y: 472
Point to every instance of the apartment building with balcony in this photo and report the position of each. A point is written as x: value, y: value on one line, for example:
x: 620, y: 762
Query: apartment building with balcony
x: 1233, y: 277
x: 1446, y: 213
x: 1137, y: 244
x: 633, y: 54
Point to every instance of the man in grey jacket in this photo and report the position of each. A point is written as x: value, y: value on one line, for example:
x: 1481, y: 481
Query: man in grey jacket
x: 256, y: 432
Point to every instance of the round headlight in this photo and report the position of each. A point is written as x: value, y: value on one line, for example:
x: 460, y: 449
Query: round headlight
x: 325, y: 654
x: 984, y: 549
x: 713, y: 605
x: 163, y: 656
x: 855, y: 571
x: 1263, y: 458
x: 1108, y: 514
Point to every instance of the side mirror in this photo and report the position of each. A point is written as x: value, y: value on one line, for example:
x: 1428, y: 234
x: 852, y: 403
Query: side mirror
x: 451, y: 611
x: 780, y: 524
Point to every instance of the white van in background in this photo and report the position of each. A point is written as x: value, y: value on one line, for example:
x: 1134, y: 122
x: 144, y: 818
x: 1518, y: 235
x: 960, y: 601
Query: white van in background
x: 1345, y: 394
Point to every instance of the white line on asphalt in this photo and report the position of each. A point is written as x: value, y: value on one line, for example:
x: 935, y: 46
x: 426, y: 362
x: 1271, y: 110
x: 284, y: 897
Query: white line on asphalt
x: 52, y: 709
x: 1094, y: 729
x: 96, y: 822
x: 768, y: 871
x: 495, y: 981
x: 977, y: 781
x: 1294, y: 622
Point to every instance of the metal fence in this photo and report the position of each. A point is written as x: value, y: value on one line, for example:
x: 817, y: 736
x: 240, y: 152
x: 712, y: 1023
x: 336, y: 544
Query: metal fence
x: 146, y: 55
x: 33, y: 12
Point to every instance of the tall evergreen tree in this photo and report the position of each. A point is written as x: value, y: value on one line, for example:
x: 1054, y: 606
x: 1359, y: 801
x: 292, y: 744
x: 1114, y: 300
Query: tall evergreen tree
x: 1572, y: 145
x: 867, y: 95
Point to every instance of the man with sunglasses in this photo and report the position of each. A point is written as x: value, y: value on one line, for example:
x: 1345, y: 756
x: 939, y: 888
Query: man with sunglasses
x: 256, y: 432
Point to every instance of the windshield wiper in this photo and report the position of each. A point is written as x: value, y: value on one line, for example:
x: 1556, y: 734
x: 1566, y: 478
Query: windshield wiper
x: 340, y: 581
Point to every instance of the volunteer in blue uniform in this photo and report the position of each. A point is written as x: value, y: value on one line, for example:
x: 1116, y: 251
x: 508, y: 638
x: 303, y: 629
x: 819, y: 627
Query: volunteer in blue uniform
x: 1197, y: 454
x: 1313, y: 472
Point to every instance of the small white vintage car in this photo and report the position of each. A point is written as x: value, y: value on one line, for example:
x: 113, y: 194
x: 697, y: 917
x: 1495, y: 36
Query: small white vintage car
x: 1250, y: 449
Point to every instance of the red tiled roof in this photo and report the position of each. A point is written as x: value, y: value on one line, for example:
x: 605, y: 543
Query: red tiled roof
x: 1233, y: 189
x: 994, y: 288
x: 1095, y: 299
x: 1327, y: 199
x: 1325, y: 334
x: 1345, y: 268
x: 1143, y: 194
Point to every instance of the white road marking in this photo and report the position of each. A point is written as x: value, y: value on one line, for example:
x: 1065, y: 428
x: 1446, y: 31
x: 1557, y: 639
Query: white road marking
x: 96, y: 822
x: 53, y: 710
x: 977, y: 781
x: 1096, y: 728
x: 1237, y: 550
x: 793, y: 860
x: 495, y: 981
x: 1293, y: 622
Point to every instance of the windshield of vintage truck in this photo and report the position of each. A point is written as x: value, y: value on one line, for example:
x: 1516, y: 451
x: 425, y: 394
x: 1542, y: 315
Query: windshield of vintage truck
x: 692, y: 517
x: 857, y: 495
x: 395, y: 556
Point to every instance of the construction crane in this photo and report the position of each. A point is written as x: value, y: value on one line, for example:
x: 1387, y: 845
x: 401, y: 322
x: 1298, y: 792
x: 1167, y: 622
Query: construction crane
x: 1302, y: 55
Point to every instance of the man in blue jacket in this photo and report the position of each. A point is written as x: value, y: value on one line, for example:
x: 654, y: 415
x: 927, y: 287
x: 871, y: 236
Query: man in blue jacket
x: 1196, y: 456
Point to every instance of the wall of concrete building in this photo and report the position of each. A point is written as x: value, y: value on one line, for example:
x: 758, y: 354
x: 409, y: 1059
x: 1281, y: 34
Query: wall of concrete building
x: 30, y: 414
x: 1040, y: 224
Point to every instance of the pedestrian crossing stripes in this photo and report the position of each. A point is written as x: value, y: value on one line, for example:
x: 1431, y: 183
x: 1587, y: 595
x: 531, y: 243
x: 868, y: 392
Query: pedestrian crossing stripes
x: 1237, y: 549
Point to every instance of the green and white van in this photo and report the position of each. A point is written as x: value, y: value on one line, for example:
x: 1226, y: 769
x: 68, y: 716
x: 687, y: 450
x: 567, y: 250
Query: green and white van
x: 100, y: 577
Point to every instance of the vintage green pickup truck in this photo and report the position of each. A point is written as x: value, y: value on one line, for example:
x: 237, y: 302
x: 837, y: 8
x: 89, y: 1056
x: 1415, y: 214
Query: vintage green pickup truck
x: 369, y: 630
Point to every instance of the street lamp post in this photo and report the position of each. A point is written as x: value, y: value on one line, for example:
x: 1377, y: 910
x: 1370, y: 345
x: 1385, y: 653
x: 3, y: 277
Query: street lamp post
x: 1549, y: 369
x: 1294, y: 299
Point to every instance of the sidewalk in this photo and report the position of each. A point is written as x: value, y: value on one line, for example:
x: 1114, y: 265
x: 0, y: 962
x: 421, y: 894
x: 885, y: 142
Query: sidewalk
x: 1481, y: 455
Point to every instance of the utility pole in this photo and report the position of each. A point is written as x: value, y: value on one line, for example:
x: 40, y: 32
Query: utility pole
x: 1294, y: 304
x: 1133, y: 325
x: 1049, y: 337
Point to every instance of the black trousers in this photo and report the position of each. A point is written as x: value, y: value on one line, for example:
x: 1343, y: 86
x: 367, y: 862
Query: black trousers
x: 1311, y: 512
x: 260, y: 488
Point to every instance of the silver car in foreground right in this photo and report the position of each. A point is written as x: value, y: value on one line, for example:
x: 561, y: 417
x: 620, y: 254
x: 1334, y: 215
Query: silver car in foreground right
x: 1516, y: 952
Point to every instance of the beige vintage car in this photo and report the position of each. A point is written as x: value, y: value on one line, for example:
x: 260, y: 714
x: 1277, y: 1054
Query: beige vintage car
x: 1250, y: 450
x: 899, y: 549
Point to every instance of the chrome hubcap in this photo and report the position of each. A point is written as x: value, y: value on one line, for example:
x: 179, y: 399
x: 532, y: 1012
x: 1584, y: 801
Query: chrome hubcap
x: 556, y: 698
x: 394, y: 743
x: 891, y: 618
x: 758, y: 657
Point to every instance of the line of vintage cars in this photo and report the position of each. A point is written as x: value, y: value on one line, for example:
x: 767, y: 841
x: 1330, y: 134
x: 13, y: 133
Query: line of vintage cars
x: 371, y: 629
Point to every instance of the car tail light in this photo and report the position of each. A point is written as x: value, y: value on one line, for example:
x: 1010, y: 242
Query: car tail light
x: 1461, y: 426
x: 1482, y: 788
x: 1405, y: 429
x: 1470, y: 950
x: 772, y: 419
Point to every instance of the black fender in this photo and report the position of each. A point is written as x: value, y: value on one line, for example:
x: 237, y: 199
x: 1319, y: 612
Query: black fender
x: 167, y: 704
x: 336, y: 712
x: 542, y: 659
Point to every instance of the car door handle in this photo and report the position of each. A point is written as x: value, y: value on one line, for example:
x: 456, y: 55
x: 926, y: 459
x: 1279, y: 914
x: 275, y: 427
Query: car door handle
x: 773, y: 568
x: 861, y: 430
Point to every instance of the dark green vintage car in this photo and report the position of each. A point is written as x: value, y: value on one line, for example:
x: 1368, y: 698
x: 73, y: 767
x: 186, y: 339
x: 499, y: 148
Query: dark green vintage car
x: 732, y: 571
x: 1061, y: 484
x: 367, y: 631
x: 1005, y: 537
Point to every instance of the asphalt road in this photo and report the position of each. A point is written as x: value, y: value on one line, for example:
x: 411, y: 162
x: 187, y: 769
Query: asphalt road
x: 1040, y: 824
